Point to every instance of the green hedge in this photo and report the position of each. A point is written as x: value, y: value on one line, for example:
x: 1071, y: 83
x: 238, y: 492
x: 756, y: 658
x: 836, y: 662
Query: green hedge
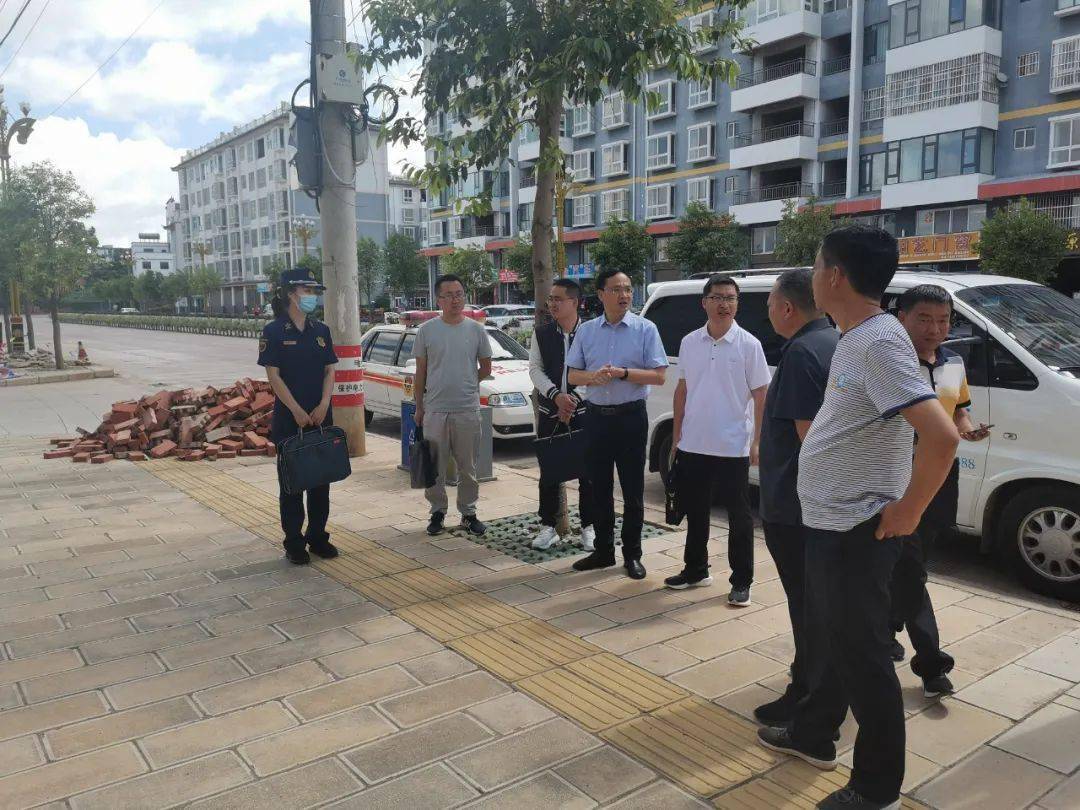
x: 232, y: 327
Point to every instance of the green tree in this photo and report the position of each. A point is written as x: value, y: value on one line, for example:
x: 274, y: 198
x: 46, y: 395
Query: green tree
x: 404, y: 268
x: 312, y: 263
x: 626, y: 246
x: 15, y: 225
x: 150, y: 289
x: 1021, y: 241
x: 179, y: 285
x: 518, y: 259
x: 474, y: 267
x: 119, y: 291
x: 496, y: 66
x: 205, y: 281
x: 369, y: 267
x: 708, y: 243
x: 57, y: 246
x: 800, y: 231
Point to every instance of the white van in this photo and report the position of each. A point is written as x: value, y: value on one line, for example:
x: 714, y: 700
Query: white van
x: 1019, y: 489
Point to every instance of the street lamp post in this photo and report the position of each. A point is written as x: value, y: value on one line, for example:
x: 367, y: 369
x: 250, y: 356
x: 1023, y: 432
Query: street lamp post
x: 19, y: 130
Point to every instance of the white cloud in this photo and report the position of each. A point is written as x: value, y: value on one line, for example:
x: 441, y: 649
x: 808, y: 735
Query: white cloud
x: 129, y: 179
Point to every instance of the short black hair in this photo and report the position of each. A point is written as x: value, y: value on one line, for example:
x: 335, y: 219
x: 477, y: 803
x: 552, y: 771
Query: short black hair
x: 923, y: 294
x: 797, y: 286
x: 446, y: 279
x: 868, y: 256
x: 603, y: 276
x: 573, y: 289
x: 719, y: 280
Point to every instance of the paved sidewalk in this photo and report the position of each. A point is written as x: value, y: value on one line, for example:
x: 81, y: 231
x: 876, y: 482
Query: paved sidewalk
x: 155, y: 651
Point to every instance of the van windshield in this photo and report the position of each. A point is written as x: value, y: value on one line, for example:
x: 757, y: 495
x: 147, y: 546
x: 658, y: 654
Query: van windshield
x: 1040, y: 319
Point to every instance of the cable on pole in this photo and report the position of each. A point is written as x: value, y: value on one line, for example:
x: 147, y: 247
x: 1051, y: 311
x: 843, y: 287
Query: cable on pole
x: 33, y: 25
x: 14, y: 22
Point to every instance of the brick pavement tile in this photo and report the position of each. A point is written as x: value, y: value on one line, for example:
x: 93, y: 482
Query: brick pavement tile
x: 1066, y: 796
x: 269, y: 686
x: 1060, y: 658
x: 43, y: 716
x: 355, y: 691
x: 709, y: 612
x: 200, y: 566
x: 635, y: 635
x: 582, y: 623
x: 659, y: 794
x: 78, y: 738
x: 157, y: 587
x: 59, y: 779
x: 302, y: 649
x: 552, y: 607
x: 38, y: 665
x: 721, y: 638
x: 215, y: 734
x: 173, y: 684
x: 1050, y: 737
x: 744, y: 701
x: 74, y: 563
x: 1013, y: 691
x: 315, y: 740
x: 984, y: 652
x: 154, y: 641
x: 34, y: 645
x: 30, y: 596
x: 509, y: 713
x: 950, y: 730
x: 293, y: 590
x: 301, y: 788
x: 92, y: 676
x: 187, y: 615
x: 640, y: 607
x: 19, y: 754
x: 439, y: 666
x: 207, y: 592
x: 207, y: 649
x: 170, y: 787
x: 989, y: 780
x: 524, y: 753
x: 31, y: 581
x: 727, y: 673
x: 1034, y: 628
x: 991, y: 607
x: 605, y: 773
x: 543, y: 790
x: 141, y: 564
x: 249, y: 569
x: 95, y: 584
x: 122, y: 610
x: 442, y: 698
x: 333, y: 599
x: 260, y: 616
x: 381, y: 654
x: 9, y: 697
x: 661, y: 659
x: 956, y: 622
x: 341, y: 617
x: 55, y: 607
x: 407, y: 750
x: 433, y: 788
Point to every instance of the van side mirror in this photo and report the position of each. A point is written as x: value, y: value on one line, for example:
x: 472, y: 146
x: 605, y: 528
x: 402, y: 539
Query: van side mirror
x: 410, y: 365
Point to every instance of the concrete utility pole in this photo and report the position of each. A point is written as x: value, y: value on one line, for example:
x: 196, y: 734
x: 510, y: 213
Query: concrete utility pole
x: 19, y: 130
x: 337, y: 204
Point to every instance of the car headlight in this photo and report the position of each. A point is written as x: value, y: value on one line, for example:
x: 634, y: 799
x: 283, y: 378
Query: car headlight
x: 507, y: 400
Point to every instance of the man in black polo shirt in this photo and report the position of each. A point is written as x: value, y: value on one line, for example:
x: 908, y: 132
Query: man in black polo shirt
x: 793, y: 400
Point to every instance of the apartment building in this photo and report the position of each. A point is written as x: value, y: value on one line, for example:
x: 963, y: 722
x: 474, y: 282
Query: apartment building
x: 151, y: 252
x: 918, y: 115
x: 408, y: 208
x: 239, y: 199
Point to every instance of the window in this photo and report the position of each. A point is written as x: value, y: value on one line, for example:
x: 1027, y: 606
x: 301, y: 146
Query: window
x: 873, y: 104
x: 700, y: 93
x: 731, y: 129
x: 1027, y: 64
x: 661, y: 151
x: 1065, y: 64
x: 662, y: 245
x: 385, y: 348
x: 436, y: 232
x: 914, y: 21
x: 666, y: 106
x: 731, y: 184
x: 407, y: 196
x: 263, y: 207
x: 1024, y: 138
x: 763, y: 240
x: 871, y: 172
x: 658, y: 201
x: 261, y: 175
x: 408, y: 215
x: 581, y: 167
x: 615, y: 205
x: 1064, y: 141
x: 163, y: 265
x: 581, y: 211
x: 699, y: 25
x: 613, y: 159
x: 928, y: 87
x: 282, y: 172
x: 970, y: 151
x: 260, y: 148
x: 875, y: 43
x: 613, y: 111
x: 939, y: 221
x: 699, y: 190
x: 581, y: 115
x: 146, y: 265
x: 699, y: 143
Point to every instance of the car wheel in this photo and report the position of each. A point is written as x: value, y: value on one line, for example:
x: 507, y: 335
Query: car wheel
x: 664, y: 459
x: 368, y: 416
x: 1039, y: 539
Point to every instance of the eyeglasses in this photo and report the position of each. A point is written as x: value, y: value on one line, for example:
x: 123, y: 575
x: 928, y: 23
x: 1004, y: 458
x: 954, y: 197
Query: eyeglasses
x: 551, y: 299
x: 727, y: 299
x: 619, y: 290
x: 458, y: 296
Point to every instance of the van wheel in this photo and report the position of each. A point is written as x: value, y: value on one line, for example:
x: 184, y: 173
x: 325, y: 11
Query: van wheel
x: 664, y: 460
x: 368, y: 416
x: 1039, y: 539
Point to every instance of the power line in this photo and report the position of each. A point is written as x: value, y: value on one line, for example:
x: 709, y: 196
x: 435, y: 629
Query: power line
x: 14, y: 23
x: 108, y: 59
x: 28, y: 33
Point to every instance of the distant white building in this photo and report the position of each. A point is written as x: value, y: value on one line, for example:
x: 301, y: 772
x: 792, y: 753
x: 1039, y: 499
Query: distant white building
x: 408, y: 208
x: 149, y: 252
x: 173, y: 231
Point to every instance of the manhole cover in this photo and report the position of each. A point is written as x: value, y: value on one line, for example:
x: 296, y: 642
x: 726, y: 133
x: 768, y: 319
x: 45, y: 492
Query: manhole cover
x: 513, y: 535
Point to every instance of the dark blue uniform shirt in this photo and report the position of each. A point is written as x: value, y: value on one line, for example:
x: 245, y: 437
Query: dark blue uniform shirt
x: 301, y: 358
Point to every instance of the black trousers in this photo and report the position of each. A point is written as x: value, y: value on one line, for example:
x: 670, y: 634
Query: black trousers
x: 912, y: 606
x: 848, y: 575
x: 549, y: 491
x: 787, y: 545
x: 292, y: 516
x: 701, y: 478
x: 617, y: 442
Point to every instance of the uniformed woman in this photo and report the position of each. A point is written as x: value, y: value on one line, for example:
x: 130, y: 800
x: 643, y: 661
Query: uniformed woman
x: 298, y: 354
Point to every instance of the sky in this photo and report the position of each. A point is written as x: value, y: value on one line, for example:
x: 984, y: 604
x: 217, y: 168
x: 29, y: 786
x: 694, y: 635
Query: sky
x: 195, y: 69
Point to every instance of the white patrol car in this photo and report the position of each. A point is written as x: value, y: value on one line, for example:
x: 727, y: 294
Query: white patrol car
x: 510, y: 315
x: 1019, y: 489
x: 387, y: 348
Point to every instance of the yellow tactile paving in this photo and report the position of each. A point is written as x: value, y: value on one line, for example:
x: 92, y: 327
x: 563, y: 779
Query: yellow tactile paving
x: 519, y: 650
x: 802, y: 784
x: 458, y: 616
x: 409, y: 587
x: 574, y: 696
x: 629, y: 683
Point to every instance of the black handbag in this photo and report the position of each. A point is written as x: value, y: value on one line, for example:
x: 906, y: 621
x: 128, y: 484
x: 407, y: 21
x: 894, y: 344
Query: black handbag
x: 561, y: 455
x: 673, y: 512
x: 313, y: 459
x: 423, y: 458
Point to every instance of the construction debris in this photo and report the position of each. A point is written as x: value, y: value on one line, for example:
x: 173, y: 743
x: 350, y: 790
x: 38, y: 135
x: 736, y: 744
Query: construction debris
x: 189, y: 425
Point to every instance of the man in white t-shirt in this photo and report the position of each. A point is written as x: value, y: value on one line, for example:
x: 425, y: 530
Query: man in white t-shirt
x: 719, y: 401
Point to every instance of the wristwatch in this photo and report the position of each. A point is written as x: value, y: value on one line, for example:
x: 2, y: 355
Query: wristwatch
x: 625, y: 374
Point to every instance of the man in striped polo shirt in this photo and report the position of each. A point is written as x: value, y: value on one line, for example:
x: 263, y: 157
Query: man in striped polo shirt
x: 861, y: 495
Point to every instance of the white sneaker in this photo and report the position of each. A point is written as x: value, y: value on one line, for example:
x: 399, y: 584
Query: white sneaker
x: 546, y: 539
x: 588, y: 538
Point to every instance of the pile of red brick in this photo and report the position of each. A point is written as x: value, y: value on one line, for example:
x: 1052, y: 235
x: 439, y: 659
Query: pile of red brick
x: 190, y: 425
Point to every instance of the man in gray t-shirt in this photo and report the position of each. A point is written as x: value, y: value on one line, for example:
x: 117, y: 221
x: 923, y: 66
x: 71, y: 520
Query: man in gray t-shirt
x: 453, y: 353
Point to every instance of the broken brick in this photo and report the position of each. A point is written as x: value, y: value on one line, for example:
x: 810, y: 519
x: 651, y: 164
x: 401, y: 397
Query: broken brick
x: 81, y: 457
x: 101, y: 459
x: 135, y: 455
x: 163, y: 449
x: 59, y: 453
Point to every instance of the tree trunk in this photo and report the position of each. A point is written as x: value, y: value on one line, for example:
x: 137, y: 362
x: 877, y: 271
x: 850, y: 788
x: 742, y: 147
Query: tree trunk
x: 549, y: 110
x: 54, y: 311
x: 31, y: 343
x: 6, y: 337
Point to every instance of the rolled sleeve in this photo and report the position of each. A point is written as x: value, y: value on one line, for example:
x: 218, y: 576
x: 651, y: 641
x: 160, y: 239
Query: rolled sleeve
x: 892, y: 378
x: 654, y: 354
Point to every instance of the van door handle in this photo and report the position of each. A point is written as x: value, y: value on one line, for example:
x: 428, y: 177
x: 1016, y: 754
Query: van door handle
x: 1011, y: 436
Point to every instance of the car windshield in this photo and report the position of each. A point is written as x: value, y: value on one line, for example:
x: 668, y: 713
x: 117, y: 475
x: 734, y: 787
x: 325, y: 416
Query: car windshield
x: 504, y: 347
x: 1040, y: 319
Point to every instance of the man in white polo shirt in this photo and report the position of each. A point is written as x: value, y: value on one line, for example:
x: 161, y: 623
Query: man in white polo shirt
x: 719, y: 403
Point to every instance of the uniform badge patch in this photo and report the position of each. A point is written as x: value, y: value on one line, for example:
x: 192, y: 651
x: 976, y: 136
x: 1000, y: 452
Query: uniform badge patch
x: 263, y: 343
x: 321, y: 341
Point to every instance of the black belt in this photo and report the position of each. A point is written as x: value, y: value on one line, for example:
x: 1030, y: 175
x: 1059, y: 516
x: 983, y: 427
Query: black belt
x: 612, y: 410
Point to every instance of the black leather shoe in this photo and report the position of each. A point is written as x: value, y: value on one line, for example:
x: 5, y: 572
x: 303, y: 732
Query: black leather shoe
x: 435, y: 526
x: 297, y: 555
x: 634, y: 569
x: 325, y: 549
x: 594, y: 561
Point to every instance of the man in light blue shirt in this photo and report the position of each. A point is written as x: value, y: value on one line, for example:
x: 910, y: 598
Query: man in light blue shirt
x: 618, y: 356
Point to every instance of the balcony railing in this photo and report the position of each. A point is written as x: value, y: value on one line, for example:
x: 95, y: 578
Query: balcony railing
x: 765, y: 10
x: 841, y: 64
x: 785, y: 191
x: 873, y: 125
x: 477, y: 230
x: 837, y: 127
x: 834, y: 189
x: 527, y: 181
x: 781, y: 71
x: 792, y: 129
x: 1068, y: 5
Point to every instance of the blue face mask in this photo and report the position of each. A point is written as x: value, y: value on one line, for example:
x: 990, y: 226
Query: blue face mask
x: 308, y: 303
